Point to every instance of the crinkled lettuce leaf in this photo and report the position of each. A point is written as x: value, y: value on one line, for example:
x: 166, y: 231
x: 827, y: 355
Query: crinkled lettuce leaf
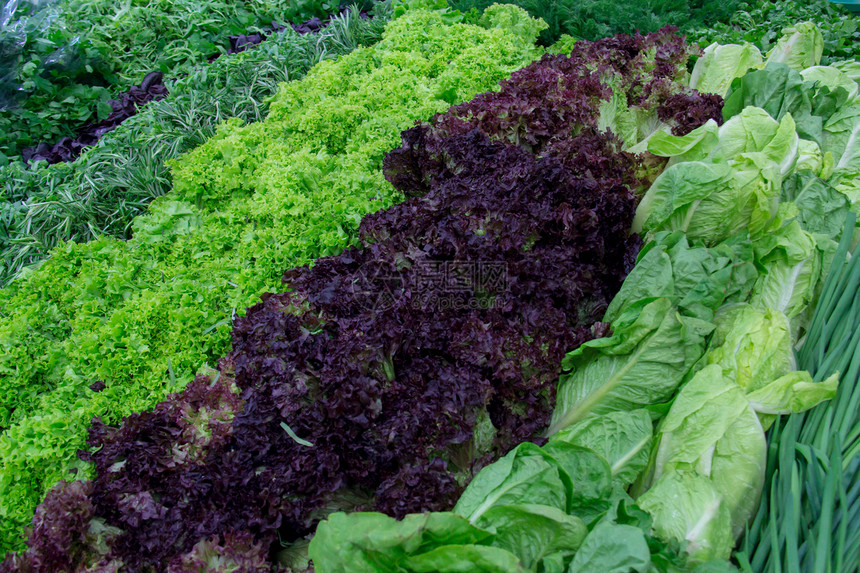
x: 710, y: 201
x: 755, y: 131
x: 697, y: 279
x: 842, y: 138
x: 792, y: 393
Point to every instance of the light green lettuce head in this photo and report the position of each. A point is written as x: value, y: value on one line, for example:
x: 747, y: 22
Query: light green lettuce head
x: 792, y: 264
x: 832, y: 78
x: 800, y: 46
x: 719, y: 65
x: 752, y: 346
x: 755, y: 349
x: 712, y: 431
x: 735, y: 188
x: 810, y: 158
x: 755, y: 131
x: 687, y: 507
x: 711, y: 201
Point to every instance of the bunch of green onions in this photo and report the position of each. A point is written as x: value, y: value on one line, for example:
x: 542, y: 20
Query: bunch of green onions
x: 809, y: 519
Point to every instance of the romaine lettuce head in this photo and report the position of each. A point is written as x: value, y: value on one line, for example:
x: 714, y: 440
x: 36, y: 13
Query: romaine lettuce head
x: 810, y: 158
x: 754, y: 130
x: 736, y: 188
x: 792, y: 264
x: 687, y: 507
x: 712, y: 431
x: 711, y: 201
x: 651, y: 350
x: 696, y: 278
x: 373, y: 542
x: 525, y: 475
x: 738, y: 468
x: 780, y: 90
x: 799, y: 47
x: 751, y: 346
x: 719, y: 65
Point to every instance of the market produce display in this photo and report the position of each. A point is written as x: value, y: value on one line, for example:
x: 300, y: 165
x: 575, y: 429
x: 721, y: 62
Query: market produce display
x: 598, y: 318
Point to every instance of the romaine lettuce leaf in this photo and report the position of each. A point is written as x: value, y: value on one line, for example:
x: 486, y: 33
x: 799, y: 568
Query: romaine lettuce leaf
x: 536, y: 534
x: 794, y: 392
x: 720, y: 65
x: 613, y: 548
x: 799, y: 47
x: 697, y: 279
x: 372, y: 542
x: 622, y: 438
x: 525, y: 475
x: 464, y: 559
x: 687, y: 507
x: 641, y: 364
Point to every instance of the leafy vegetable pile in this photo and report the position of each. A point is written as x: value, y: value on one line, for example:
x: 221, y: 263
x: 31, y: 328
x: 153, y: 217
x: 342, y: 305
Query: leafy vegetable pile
x: 356, y: 387
x: 67, y: 149
x: 739, y: 229
x: 140, y: 317
x: 416, y: 370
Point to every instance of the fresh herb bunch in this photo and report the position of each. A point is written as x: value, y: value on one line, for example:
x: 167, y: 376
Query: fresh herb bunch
x: 761, y: 23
